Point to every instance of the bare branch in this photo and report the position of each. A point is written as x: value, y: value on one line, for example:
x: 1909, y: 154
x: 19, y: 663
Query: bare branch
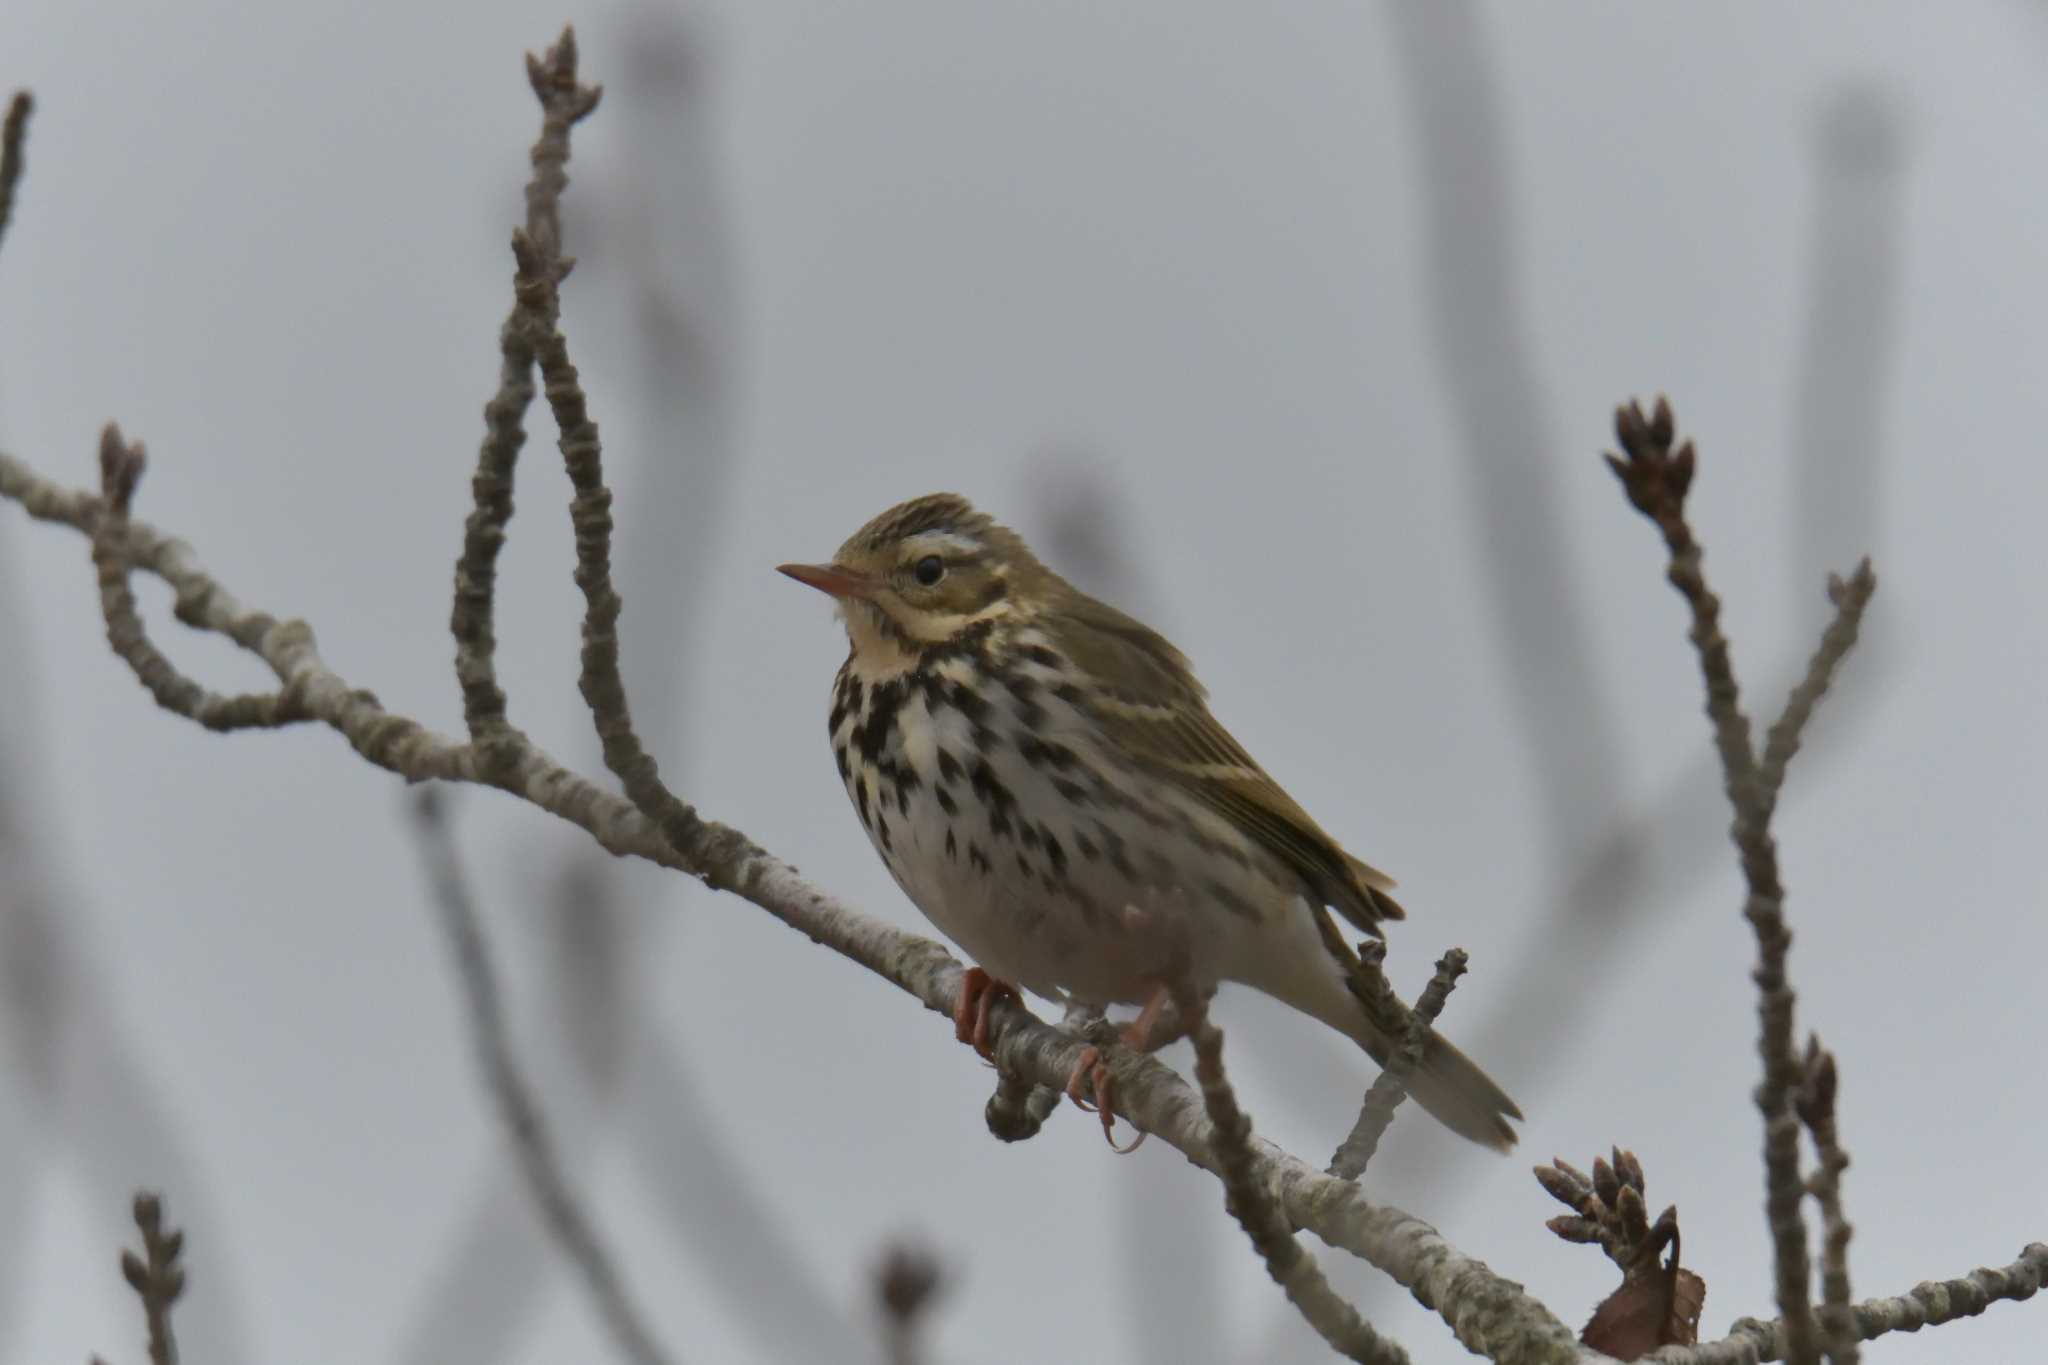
x: 518, y: 1107
x: 1390, y: 1087
x: 1018, y: 1109
x: 1253, y: 1205
x: 1816, y: 1104
x: 121, y: 467
x: 1656, y: 478
x: 1836, y: 641
x: 564, y: 103
x: 1928, y: 1304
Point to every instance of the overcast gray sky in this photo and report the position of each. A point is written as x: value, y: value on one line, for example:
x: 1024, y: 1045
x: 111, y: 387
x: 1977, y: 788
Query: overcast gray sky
x: 1325, y: 309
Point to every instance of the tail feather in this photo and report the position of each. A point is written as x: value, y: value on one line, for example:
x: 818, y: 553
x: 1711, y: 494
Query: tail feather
x: 1448, y: 1084
x: 1454, y: 1090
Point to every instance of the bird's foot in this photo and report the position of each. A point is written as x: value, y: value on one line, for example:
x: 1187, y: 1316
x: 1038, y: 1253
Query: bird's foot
x: 978, y: 993
x: 1100, y: 1097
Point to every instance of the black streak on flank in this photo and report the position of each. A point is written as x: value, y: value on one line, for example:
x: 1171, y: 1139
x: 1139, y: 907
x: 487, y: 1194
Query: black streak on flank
x: 1029, y: 713
x: 1118, y: 858
x: 845, y: 767
x: 1231, y: 901
x: 873, y: 735
x: 882, y: 832
x: 946, y: 802
x: 976, y: 857
x: 846, y: 700
x: 1087, y: 846
x: 860, y: 799
x: 1056, y: 855
x: 968, y: 703
x: 952, y: 845
x: 949, y: 767
x: 1070, y: 693
x: 1073, y: 791
x: 1043, y: 657
x: 994, y: 795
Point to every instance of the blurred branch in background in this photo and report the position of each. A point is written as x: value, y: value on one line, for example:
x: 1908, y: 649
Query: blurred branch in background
x: 518, y: 1107
x: 74, y: 1087
x: 156, y: 1276
x: 905, y: 1284
x: 1506, y: 433
x: 1623, y: 867
x: 1854, y: 259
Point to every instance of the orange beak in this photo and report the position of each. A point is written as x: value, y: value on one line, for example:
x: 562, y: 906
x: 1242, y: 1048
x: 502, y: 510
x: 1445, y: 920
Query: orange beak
x: 830, y: 578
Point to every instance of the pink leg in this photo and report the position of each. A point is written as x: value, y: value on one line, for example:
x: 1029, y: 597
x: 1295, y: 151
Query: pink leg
x: 1103, y: 1087
x: 978, y: 993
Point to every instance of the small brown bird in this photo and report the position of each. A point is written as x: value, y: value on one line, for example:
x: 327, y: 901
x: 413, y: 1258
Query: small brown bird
x: 1044, y: 780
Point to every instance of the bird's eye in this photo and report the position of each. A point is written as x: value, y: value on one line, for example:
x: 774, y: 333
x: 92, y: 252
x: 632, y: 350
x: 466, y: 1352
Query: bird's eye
x: 929, y: 570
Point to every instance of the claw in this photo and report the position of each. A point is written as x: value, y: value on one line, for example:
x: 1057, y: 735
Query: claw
x: 1103, y: 1086
x: 978, y: 994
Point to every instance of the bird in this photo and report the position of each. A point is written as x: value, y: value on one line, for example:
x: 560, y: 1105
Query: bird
x: 1043, y: 778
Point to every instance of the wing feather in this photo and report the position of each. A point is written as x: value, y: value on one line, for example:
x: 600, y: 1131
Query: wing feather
x: 1148, y: 701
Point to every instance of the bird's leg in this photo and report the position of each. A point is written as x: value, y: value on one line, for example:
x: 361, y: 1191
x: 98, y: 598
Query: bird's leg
x: 978, y: 993
x: 1103, y: 1086
x: 1142, y: 1034
x: 1157, y: 1024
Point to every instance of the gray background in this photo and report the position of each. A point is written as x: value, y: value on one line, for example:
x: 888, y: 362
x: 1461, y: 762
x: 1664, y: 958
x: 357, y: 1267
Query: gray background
x: 1297, y: 329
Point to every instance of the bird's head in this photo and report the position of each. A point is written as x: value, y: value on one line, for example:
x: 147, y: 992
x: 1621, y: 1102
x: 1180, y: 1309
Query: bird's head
x: 923, y: 573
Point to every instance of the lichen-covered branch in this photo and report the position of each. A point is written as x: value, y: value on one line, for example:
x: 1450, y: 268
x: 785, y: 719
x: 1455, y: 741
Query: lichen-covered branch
x: 1928, y: 1304
x: 121, y: 466
x: 564, y: 103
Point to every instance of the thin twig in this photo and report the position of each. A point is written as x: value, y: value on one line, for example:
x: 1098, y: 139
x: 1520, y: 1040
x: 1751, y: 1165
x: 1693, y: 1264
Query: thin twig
x: 1782, y: 743
x: 1656, y: 478
x: 155, y: 1276
x: 1816, y: 1105
x: 13, y: 137
x: 1928, y: 1304
x: 121, y: 466
x: 1252, y: 1203
x: 1390, y: 1087
x: 518, y: 1106
x: 564, y: 103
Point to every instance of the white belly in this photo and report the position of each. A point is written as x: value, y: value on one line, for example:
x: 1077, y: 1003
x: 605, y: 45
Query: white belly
x: 1093, y: 897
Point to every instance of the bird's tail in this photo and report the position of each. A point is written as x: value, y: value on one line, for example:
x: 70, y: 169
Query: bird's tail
x: 1448, y: 1084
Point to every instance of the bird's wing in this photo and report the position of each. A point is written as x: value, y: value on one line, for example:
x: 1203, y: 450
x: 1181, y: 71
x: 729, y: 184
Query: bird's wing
x: 1147, y: 701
